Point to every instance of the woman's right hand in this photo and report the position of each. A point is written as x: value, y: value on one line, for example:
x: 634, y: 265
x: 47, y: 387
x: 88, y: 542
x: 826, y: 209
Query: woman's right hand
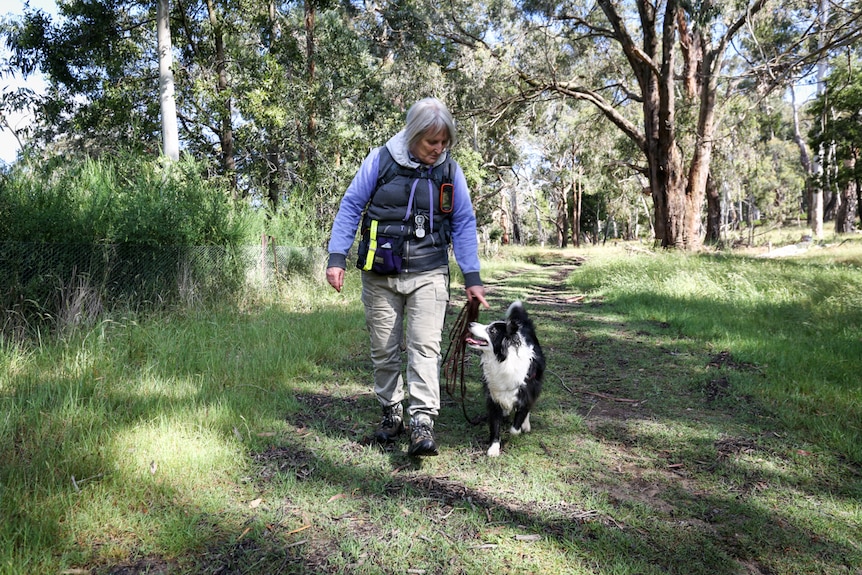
x: 335, y: 277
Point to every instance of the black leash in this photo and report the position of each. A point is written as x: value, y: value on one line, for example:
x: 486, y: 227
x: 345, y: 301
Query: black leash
x: 453, y: 365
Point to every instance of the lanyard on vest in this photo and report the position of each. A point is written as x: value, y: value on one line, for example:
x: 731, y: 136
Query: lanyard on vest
x: 430, y: 199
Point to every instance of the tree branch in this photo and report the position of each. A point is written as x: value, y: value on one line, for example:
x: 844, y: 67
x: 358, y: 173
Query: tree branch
x: 581, y: 93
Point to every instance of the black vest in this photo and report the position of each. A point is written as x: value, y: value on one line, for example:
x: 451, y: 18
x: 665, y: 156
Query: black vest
x: 389, y: 205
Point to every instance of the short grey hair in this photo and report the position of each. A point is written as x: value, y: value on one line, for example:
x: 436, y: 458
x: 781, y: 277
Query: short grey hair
x: 428, y: 115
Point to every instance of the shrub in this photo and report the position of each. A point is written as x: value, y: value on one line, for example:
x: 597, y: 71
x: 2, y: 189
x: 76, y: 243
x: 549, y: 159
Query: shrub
x: 126, y: 229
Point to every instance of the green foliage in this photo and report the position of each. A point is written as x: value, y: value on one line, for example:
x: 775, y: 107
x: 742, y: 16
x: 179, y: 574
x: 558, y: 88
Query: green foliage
x: 756, y: 164
x: 124, y: 199
x: 295, y: 223
x: 470, y: 161
x: 840, y: 107
x: 775, y: 34
x: 96, y: 60
x: 302, y: 107
x: 81, y: 237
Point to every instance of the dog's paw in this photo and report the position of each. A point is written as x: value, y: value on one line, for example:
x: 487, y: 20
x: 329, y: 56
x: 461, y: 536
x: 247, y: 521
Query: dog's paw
x: 494, y: 450
x: 525, y: 427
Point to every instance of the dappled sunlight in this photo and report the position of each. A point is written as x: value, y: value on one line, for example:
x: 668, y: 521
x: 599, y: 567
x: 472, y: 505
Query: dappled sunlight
x: 229, y: 441
x: 177, y: 450
x: 168, y: 390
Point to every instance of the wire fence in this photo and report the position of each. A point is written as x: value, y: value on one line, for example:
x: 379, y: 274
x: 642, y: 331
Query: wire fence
x: 67, y: 284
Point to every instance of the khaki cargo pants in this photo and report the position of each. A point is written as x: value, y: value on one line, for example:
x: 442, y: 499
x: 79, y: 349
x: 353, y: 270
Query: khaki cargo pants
x: 420, y: 298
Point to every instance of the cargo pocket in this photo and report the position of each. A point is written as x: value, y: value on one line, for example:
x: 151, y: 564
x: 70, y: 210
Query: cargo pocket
x: 387, y: 258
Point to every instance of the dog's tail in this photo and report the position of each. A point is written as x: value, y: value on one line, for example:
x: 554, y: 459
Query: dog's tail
x: 516, y: 311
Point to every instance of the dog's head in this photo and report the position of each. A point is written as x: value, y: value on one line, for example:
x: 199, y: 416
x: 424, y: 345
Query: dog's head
x: 499, y: 337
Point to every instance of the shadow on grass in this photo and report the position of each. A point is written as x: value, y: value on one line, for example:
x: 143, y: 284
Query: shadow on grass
x: 702, y: 516
x: 699, y: 518
x: 702, y: 533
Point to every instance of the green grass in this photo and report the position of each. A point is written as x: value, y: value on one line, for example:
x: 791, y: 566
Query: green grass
x: 798, y: 320
x: 700, y: 416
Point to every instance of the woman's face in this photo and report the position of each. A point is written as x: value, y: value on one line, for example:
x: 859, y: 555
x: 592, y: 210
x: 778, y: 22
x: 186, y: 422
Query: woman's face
x: 430, y: 146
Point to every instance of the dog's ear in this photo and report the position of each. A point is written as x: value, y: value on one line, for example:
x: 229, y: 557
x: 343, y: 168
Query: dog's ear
x: 516, y: 316
x: 515, y: 308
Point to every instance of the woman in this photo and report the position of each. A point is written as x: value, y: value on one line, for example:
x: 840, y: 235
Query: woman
x: 412, y: 201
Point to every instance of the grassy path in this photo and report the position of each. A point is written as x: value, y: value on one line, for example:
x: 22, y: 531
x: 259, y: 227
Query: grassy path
x: 697, y: 476
x: 237, y: 442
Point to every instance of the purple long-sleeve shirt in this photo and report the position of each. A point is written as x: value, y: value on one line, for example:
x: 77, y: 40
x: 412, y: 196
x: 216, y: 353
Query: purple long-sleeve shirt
x: 464, y: 239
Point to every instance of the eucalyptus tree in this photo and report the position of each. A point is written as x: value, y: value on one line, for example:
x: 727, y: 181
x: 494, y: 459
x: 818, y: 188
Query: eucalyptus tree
x: 100, y: 63
x: 101, y: 60
x: 645, y: 35
x: 571, y: 157
x: 167, y: 100
x: 759, y: 178
x: 840, y: 105
x: 780, y: 53
x: 247, y: 97
x: 646, y: 66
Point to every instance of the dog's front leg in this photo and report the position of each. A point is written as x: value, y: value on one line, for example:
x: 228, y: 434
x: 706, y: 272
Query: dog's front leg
x: 521, y: 421
x: 495, y: 420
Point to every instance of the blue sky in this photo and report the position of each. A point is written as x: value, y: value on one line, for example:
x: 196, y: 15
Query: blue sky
x: 8, y: 143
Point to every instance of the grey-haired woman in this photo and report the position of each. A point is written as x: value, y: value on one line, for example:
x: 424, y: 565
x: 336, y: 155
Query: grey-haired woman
x: 410, y: 201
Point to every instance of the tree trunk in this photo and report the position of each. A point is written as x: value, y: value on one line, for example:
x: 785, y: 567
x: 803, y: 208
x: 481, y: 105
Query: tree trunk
x: 656, y: 81
x: 273, y: 152
x: 845, y: 216
x: 167, y: 101
x: 228, y: 160
x: 577, y: 208
x: 667, y: 179
x: 504, y: 224
x: 570, y: 214
x: 804, y: 155
x: 562, y: 218
x: 515, y: 215
x: 309, y: 151
x: 858, y: 185
x: 815, y: 217
x: 713, y: 212
x: 698, y: 175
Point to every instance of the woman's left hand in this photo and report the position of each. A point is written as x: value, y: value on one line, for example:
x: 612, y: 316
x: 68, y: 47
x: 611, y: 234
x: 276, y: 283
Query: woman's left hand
x: 478, y: 293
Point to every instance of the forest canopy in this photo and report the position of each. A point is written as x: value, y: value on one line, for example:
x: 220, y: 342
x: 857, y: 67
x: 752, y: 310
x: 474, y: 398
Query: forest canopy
x: 677, y: 122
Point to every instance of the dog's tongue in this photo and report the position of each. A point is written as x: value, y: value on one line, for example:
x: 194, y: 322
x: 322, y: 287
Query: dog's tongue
x: 474, y: 341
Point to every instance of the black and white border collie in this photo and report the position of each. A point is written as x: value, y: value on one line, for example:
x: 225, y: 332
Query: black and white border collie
x: 512, y: 366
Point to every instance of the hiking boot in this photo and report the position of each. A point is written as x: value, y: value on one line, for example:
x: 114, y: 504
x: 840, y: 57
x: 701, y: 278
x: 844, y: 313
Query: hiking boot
x: 392, y: 424
x: 422, y: 437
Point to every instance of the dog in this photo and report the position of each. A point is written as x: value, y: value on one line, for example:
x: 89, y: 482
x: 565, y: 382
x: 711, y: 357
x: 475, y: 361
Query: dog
x: 512, y: 367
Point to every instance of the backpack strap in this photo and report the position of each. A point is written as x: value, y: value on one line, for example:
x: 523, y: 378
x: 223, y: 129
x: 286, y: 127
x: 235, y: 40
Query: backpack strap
x: 388, y: 168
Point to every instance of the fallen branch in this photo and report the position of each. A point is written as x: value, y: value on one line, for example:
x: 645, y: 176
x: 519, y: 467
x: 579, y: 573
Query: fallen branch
x: 297, y: 530
x: 640, y: 250
x: 610, y: 397
x: 598, y: 394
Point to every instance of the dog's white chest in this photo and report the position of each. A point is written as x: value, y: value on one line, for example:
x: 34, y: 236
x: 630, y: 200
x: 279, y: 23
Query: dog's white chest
x: 505, y: 378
